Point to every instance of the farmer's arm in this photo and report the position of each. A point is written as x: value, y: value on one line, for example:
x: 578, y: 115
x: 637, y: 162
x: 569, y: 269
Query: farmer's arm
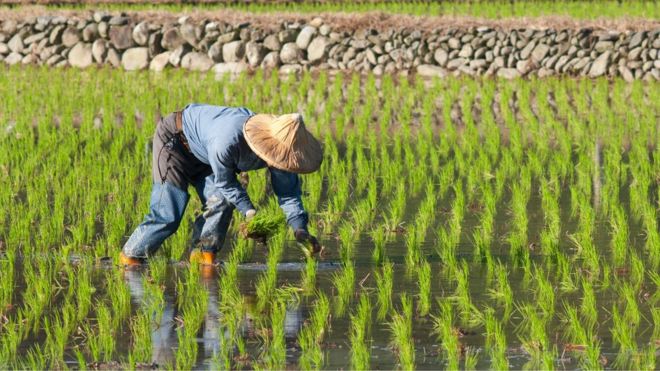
x: 286, y: 186
x: 223, y: 160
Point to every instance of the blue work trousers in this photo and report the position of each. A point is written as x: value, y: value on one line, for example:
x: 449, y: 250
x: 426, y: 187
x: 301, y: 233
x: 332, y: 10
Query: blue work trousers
x: 174, y: 169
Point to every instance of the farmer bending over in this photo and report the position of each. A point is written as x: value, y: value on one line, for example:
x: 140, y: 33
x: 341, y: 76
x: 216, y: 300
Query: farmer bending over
x: 207, y: 146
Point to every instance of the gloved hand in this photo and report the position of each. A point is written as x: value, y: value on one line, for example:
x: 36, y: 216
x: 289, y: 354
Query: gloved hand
x: 250, y: 214
x: 302, y: 236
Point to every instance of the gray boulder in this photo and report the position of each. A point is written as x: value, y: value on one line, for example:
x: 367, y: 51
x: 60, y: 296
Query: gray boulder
x: 539, y: 52
x: 15, y: 44
x: 135, y: 59
x: 456, y: 62
x: 636, y: 39
x: 508, y: 73
x: 34, y: 38
x: 121, y: 37
x: 13, y: 58
x: 287, y: 36
x: 70, y: 37
x: 233, y: 51
x: 254, y: 53
x: 4, y: 49
x: 603, y: 46
x: 101, y: 16
x: 626, y: 74
x: 99, y: 50
x: 191, y: 33
x: 177, y: 54
x: 466, y: 51
x: 103, y: 30
x: 305, y: 37
x: 154, y: 43
x: 112, y: 58
x: 290, y: 53
x: 159, y: 62
x: 527, y: 50
x: 141, y: 33
x: 55, y: 36
x: 272, y: 42
x: 90, y: 32
x: 271, y: 60
x: 325, y: 30
x: 229, y: 68
x: 599, y: 67
x: 54, y: 59
x: 215, y: 52
x: 118, y: 20
x: 428, y: 70
x: 81, y: 55
x: 317, y: 49
x: 172, y: 39
x: 441, y: 57
x: 196, y: 61
x: 290, y: 68
x: 454, y: 43
x: 228, y: 37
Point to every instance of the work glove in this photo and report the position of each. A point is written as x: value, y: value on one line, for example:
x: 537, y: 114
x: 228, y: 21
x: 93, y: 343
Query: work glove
x: 303, y: 237
x: 250, y: 214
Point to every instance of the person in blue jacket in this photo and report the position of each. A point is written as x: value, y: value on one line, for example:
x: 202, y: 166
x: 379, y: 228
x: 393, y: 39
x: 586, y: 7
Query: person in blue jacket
x: 207, y: 147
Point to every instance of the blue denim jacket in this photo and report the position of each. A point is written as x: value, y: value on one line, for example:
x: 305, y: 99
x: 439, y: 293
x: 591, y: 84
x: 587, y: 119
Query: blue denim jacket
x: 215, y: 137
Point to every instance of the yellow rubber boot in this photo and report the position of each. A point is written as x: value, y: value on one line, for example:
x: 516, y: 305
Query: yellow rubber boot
x: 198, y: 256
x: 128, y: 261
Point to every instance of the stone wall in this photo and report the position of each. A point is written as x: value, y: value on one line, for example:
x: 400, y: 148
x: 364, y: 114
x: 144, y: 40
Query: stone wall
x: 133, y: 43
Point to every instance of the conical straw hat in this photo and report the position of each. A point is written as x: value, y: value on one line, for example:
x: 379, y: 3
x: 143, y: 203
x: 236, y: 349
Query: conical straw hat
x: 283, y: 142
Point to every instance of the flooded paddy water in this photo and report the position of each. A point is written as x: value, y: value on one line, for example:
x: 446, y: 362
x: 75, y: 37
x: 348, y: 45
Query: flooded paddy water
x: 476, y: 224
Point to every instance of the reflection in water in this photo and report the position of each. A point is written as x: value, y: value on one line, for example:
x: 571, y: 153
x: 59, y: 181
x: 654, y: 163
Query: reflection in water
x: 211, y: 325
x: 163, y: 330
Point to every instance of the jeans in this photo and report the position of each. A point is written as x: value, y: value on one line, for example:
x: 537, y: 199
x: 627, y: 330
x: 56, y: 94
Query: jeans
x: 174, y: 168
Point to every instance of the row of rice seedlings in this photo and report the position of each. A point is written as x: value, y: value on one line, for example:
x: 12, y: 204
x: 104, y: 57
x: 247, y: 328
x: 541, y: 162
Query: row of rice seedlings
x: 534, y: 337
x: 311, y: 336
x: 359, y: 334
x: 192, y: 300
x: 443, y: 327
x: 402, y: 341
x: 267, y: 283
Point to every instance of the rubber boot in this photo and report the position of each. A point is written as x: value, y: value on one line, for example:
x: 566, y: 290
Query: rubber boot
x: 128, y: 261
x: 202, y: 257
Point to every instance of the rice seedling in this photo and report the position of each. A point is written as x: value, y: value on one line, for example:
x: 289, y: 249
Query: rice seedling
x: 311, y: 336
x: 343, y: 282
x: 424, y: 285
x: 402, y: 338
x: 384, y: 283
x: 443, y: 326
x: 378, y: 239
x: 359, y: 335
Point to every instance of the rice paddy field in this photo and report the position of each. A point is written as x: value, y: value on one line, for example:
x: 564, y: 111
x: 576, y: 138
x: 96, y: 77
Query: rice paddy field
x: 467, y: 223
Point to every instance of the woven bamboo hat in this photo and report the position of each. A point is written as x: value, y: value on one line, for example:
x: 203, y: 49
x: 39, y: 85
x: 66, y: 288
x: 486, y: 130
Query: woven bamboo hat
x: 283, y: 142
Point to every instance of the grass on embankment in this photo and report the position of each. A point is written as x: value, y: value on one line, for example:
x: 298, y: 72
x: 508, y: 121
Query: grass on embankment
x: 492, y: 9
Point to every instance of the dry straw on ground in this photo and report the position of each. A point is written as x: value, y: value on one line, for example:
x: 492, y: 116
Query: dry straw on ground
x: 345, y: 21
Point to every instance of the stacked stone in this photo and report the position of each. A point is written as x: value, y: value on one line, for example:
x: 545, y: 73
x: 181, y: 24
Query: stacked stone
x: 134, y: 44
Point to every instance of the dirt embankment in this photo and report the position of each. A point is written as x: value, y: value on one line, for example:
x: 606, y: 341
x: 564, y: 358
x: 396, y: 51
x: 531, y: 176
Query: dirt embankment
x: 354, y: 21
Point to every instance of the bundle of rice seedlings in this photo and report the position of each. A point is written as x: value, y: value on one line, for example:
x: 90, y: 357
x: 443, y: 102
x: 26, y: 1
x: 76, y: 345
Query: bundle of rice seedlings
x: 262, y: 226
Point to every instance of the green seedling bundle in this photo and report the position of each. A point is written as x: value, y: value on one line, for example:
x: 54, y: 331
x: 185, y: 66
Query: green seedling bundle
x: 263, y: 225
x: 503, y: 224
